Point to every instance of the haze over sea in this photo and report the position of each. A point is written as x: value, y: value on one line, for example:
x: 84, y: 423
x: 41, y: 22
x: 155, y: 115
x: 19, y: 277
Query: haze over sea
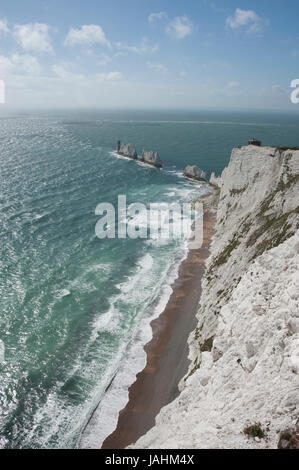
x: 74, y: 306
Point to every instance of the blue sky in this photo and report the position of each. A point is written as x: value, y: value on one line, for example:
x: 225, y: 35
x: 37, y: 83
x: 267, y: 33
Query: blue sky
x: 195, y: 54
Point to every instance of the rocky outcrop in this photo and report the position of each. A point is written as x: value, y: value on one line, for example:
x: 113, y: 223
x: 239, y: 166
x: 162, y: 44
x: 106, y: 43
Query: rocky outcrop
x: 215, y: 181
x: 128, y: 150
x: 151, y: 158
x: 245, y: 350
x: 195, y: 173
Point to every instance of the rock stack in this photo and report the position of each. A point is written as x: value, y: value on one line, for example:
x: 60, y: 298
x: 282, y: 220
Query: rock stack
x: 195, y: 173
x: 128, y: 150
x: 151, y: 158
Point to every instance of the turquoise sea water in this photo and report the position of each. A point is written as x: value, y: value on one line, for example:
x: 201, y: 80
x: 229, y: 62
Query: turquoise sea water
x: 70, y: 303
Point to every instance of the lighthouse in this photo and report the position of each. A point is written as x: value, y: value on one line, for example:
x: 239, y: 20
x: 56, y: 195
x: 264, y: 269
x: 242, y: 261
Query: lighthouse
x: 118, y: 146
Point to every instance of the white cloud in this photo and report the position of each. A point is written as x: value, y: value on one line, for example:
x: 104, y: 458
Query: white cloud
x: 110, y: 76
x: 6, y: 65
x: 33, y: 37
x: 143, y: 48
x: 26, y: 64
x: 180, y: 27
x: 87, y: 35
x: 20, y: 65
x: 4, y: 27
x: 157, y: 16
x: 245, y: 19
x: 62, y: 72
x: 108, y: 90
x: 103, y: 60
x: 120, y: 54
x: 233, y: 84
x: 158, y: 67
x: 277, y: 89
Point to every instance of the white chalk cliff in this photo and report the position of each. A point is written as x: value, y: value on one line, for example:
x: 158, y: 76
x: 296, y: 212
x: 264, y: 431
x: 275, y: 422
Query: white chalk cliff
x: 244, y: 352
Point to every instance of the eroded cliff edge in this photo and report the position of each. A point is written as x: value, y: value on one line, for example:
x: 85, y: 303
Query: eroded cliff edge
x: 245, y: 349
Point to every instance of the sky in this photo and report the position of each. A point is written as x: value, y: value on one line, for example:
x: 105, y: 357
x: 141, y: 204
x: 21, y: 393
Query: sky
x: 167, y: 54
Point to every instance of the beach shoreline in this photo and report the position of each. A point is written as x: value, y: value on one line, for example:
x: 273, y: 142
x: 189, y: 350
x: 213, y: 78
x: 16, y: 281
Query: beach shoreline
x: 167, y: 352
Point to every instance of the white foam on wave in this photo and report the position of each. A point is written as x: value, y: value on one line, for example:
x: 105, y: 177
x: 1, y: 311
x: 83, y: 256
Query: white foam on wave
x: 178, y: 173
x: 41, y: 216
x: 109, y: 321
x: 127, y: 362
x: 143, y: 267
x: 103, y: 268
x: 84, y: 284
x: 132, y: 358
x: 166, y: 221
x: 122, y: 157
x: 105, y: 417
x: 147, y: 165
x: 237, y: 123
x: 63, y: 293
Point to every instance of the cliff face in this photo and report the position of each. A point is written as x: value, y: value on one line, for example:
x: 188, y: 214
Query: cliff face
x: 245, y: 350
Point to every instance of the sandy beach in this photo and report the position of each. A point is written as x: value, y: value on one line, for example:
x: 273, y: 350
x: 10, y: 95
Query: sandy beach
x: 167, y: 353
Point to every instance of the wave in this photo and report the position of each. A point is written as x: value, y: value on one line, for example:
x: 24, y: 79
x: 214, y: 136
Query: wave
x: 109, y: 321
x: 105, y: 417
x: 229, y: 123
x: 63, y: 293
x: 133, y: 357
x: 122, y: 157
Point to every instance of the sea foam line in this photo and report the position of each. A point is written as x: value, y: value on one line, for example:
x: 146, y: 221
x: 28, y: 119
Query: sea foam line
x: 104, y: 420
x: 133, y: 360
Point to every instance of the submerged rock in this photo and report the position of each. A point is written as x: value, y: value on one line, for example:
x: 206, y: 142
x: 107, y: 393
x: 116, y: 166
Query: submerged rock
x: 151, y: 158
x: 195, y: 173
x: 128, y: 150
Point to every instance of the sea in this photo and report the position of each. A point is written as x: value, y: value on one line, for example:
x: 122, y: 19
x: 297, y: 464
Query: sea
x: 75, y: 310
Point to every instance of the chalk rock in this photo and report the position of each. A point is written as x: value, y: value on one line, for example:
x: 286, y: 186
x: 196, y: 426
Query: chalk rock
x: 250, y: 306
x: 128, y: 150
x: 151, y: 158
x: 215, y: 181
x: 195, y: 173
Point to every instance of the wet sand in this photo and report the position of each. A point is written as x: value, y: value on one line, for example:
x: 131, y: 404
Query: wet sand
x: 167, y: 353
